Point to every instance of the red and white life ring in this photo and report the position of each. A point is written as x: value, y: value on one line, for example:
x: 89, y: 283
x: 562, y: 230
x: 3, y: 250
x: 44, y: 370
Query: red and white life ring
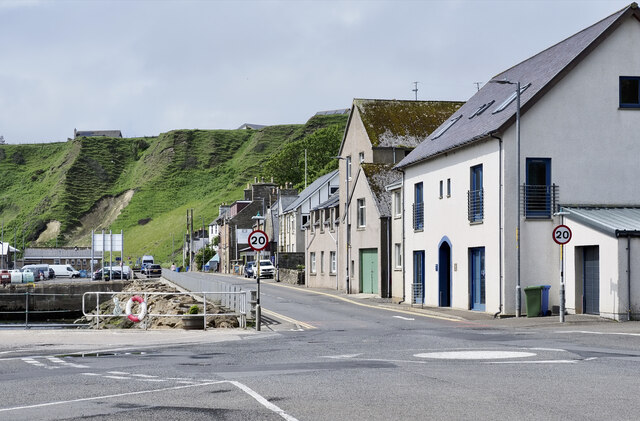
x: 143, y: 309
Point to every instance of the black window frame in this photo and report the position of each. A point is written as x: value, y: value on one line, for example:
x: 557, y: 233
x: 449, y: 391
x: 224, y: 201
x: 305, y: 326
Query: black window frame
x: 632, y: 105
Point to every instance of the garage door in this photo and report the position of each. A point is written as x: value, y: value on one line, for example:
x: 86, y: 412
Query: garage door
x: 591, y: 280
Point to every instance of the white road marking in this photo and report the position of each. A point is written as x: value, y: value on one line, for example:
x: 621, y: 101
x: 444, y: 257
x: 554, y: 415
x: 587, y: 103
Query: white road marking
x: 474, y: 355
x: 117, y: 377
x: 90, y: 374
x: 65, y: 363
x: 534, y: 362
x: 403, y: 318
x: 146, y: 376
x: 341, y: 356
x: 598, y: 333
x: 260, y: 399
x: 118, y: 372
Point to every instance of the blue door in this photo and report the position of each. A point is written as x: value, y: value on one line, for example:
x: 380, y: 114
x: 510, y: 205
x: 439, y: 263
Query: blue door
x: 476, y: 275
x: 444, y: 275
x: 591, y: 275
x: 418, y: 277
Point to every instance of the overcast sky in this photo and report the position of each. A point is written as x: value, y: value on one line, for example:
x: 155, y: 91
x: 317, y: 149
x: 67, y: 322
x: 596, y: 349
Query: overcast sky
x: 147, y: 67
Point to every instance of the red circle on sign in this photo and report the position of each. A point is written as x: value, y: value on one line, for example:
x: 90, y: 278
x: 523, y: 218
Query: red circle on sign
x: 562, y: 234
x: 258, y: 240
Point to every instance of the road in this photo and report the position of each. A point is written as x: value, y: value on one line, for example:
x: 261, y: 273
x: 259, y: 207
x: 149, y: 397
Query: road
x: 326, y: 359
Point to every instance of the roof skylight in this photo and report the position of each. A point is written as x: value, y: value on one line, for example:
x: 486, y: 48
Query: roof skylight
x: 509, y: 100
x: 446, y: 127
x: 482, y: 108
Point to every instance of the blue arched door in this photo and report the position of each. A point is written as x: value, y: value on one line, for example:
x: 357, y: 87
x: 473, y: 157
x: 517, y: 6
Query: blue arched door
x: 444, y: 274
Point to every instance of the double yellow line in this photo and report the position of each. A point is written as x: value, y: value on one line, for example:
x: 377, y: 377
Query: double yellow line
x: 288, y: 319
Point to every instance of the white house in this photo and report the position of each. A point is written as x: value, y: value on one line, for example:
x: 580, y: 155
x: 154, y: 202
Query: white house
x: 481, y: 200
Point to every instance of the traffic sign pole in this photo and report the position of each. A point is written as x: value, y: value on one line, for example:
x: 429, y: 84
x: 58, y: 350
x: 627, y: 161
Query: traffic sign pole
x: 562, y: 235
x: 258, y: 240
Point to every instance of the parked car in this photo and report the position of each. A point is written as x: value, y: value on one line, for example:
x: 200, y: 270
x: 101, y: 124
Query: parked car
x: 108, y: 274
x: 267, y: 270
x: 153, y: 270
x: 5, y: 277
x: 248, y: 270
x: 126, y: 271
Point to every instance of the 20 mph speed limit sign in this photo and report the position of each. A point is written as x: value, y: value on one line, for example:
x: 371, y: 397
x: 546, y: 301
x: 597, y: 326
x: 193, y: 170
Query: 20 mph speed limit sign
x: 258, y: 240
x: 561, y: 234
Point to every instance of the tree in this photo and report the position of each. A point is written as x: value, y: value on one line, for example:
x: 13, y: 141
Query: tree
x: 204, y: 255
x: 2, y: 140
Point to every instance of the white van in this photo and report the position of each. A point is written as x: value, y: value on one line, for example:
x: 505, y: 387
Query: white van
x: 36, y: 269
x: 65, y: 271
x: 146, y: 260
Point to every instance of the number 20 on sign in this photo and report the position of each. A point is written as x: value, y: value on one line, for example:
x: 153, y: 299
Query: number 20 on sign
x: 561, y: 234
x: 258, y: 240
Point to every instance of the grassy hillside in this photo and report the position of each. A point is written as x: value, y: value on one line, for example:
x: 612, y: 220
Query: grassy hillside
x: 168, y: 174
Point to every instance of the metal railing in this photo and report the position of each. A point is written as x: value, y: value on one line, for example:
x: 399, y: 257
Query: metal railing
x: 201, y: 282
x: 418, y: 216
x: 539, y: 201
x: 417, y: 294
x: 31, y: 303
x: 206, y: 299
x: 475, y: 205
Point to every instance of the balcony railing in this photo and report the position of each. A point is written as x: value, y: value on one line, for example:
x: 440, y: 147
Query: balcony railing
x: 539, y: 201
x: 418, y: 216
x: 475, y: 205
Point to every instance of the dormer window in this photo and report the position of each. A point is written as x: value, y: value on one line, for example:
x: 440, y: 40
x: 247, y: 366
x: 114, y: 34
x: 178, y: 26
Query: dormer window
x: 629, y: 91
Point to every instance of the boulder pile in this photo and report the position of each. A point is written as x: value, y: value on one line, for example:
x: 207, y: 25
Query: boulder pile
x: 170, y: 306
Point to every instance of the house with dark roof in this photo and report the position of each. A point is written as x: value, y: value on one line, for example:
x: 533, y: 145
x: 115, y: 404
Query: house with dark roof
x: 541, y: 142
x: 377, y: 132
x: 96, y: 133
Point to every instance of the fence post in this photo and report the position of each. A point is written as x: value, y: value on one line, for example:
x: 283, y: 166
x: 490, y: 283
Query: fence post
x: 26, y: 311
x: 97, y: 310
x: 204, y: 301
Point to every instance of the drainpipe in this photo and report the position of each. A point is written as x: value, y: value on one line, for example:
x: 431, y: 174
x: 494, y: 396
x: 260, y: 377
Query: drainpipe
x: 404, y: 255
x: 629, y: 276
x: 499, y: 222
x: 389, y: 257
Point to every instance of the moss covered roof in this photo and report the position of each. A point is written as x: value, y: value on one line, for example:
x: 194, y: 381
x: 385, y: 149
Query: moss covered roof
x: 379, y: 176
x: 402, y: 123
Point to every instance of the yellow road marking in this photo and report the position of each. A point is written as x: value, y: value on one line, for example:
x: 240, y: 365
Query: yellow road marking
x: 288, y: 319
x: 337, y: 297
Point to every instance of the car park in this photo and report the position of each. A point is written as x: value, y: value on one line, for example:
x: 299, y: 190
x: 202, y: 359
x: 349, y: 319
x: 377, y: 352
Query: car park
x: 267, y: 270
x: 248, y: 269
x: 153, y: 270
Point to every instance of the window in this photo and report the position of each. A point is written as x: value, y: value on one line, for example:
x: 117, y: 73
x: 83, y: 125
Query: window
x: 361, y: 157
x: 332, y: 190
x: 398, y: 254
x: 629, y: 92
x: 509, y: 100
x: 305, y: 220
x: 322, y: 261
x: 312, y: 260
x: 446, y: 127
x: 441, y: 189
x: 397, y: 203
x: 418, y: 207
x: 349, y: 168
x: 482, y: 109
x: 475, y: 195
x: 362, y: 216
x: 448, y: 187
x: 333, y: 264
x: 538, y: 191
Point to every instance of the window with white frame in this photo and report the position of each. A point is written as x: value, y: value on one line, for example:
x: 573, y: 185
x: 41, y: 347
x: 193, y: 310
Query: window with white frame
x: 349, y: 167
x: 398, y: 255
x: 397, y: 203
x: 362, y: 214
x: 312, y: 262
x: 333, y: 268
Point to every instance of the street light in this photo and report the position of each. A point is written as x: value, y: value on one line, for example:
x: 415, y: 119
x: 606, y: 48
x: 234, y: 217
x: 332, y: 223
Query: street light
x: 346, y: 209
x: 508, y: 82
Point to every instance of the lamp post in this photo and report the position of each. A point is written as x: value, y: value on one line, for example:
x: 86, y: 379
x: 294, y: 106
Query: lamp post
x: 518, y: 292
x: 346, y: 210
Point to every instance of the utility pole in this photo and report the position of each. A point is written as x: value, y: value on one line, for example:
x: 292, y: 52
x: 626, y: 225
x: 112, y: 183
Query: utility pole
x: 415, y: 89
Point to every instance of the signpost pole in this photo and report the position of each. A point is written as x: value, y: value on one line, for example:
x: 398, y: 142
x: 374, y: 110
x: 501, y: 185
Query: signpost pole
x: 258, y: 308
x: 258, y: 240
x: 562, y: 235
x: 561, y: 283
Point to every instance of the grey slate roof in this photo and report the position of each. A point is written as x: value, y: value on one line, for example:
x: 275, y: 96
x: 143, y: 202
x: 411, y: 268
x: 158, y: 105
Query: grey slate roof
x: 251, y: 126
x: 332, y: 202
x: 61, y: 252
x: 542, y: 71
x: 334, y: 112
x: 312, y: 188
x: 612, y: 221
x: 379, y: 176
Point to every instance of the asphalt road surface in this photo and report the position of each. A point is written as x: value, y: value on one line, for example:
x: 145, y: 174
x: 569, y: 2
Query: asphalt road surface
x: 320, y: 357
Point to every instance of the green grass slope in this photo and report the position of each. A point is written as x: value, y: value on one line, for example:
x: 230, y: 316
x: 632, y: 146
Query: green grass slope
x: 176, y: 171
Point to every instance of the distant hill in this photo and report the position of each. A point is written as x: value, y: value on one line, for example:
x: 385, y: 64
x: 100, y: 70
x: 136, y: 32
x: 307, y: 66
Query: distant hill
x: 56, y: 193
